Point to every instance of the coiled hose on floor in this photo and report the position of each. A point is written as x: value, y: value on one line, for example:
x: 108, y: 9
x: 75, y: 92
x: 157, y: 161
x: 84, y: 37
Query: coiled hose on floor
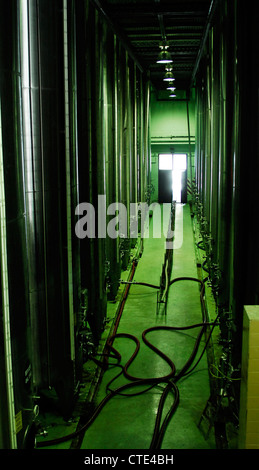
x: 170, y: 379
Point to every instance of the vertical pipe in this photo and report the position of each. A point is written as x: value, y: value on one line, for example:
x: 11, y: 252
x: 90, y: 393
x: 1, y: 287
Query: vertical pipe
x: 134, y: 169
x: 214, y: 135
x: 200, y: 130
x: 202, y: 147
x: 116, y: 121
x: 125, y: 128
x: 197, y: 140
x: 99, y: 180
x: 84, y: 63
x: 30, y: 167
x: 207, y: 197
x: 68, y: 185
x: 189, y: 142
x: 37, y: 126
x: 224, y: 185
x: 127, y: 140
x: 235, y: 262
x: 111, y: 155
x: 141, y: 140
x: 119, y: 99
x: 74, y: 159
x: 146, y: 160
x: 135, y: 137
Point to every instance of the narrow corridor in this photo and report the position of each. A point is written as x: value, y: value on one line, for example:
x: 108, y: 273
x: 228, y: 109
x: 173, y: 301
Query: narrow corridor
x: 128, y: 422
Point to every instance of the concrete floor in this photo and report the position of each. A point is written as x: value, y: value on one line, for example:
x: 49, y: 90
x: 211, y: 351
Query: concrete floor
x: 128, y: 422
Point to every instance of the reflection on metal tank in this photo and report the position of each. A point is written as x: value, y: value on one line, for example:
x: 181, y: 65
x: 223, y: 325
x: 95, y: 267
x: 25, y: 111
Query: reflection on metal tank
x: 74, y: 127
x: 110, y: 117
x: 90, y: 61
x: 226, y: 198
x: 48, y: 193
x: 16, y: 415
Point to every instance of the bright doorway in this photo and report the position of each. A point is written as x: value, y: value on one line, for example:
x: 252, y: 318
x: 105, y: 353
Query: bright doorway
x: 173, y: 171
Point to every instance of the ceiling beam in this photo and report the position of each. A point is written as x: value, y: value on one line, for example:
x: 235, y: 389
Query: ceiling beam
x: 157, y: 8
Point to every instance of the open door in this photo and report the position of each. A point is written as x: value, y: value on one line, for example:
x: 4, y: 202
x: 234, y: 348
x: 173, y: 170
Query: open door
x: 179, y: 177
x: 165, y: 166
x: 172, y: 177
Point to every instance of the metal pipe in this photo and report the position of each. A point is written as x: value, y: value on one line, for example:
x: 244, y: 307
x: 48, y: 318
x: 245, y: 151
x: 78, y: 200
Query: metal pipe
x: 141, y: 140
x: 74, y: 168
x: 224, y: 174
x: 27, y: 62
x: 68, y: 185
x: 135, y: 138
x: 214, y: 135
x: 207, y: 153
x: 115, y: 120
x: 189, y: 139
x: 236, y: 223
x: 146, y: 162
x: 212, y: 9
x: 111, y: 153
x: 37, y: 126
x: 120, y: 82
x: 127, y: 137
x: 162, y: 27
x: 161, y: 23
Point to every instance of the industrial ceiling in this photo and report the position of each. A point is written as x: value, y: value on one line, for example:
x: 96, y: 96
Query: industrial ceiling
x: 143, y: 24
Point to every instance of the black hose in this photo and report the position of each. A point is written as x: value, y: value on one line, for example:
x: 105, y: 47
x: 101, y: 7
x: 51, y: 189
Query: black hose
x: 151, y: 346
x: 158, y: 433
x: 205, y: 346
x: 140, y: 284
x: 203, y: 266
x: 93, y: 417
x: 199, y: 245
x: 170, y: 379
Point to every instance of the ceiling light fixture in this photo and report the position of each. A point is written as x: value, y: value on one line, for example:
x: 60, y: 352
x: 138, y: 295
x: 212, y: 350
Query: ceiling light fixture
x: 169, y: 75
x: 171, y: 88
x: 164, y: 56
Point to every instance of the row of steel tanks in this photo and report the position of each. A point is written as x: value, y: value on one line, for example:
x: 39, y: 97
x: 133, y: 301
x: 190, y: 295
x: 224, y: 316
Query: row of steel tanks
x: 225, y: 192
x: 74, y: 114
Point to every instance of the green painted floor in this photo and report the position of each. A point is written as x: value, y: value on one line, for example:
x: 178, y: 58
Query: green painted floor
x: 128, y: 422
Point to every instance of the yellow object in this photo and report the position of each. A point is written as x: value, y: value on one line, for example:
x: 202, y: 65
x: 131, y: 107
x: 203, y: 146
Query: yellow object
x: 18, y: 421
x: 249, y: 393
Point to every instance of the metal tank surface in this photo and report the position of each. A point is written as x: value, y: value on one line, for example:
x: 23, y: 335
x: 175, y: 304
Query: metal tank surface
x: 91, y: 158
x: 74, y: 115
x: 16, y: 415
x: 226, y: 173
x: 49, y: 189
